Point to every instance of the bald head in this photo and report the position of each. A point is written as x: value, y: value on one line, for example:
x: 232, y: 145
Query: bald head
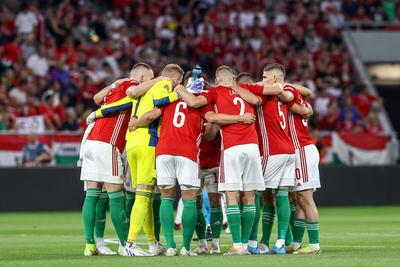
x: 224, y: 74
x: 141, y: 72
x: 274, y: 73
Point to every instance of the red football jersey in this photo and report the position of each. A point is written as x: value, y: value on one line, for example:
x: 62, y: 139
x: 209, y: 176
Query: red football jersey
x: 272, y: 124
x: 210, y: 151
x: 112, y: 129
x: 180, y: 131
x: 297, y: 124
x: 228, y: 102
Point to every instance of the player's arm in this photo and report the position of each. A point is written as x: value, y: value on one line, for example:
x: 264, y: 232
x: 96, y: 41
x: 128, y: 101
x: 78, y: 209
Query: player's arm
x: 211, y: 131
x: 303, y: 111
x: 304, y: 91
x: 248, y: 96
x: 163, y: 97
x: 271, y: 89
x: 138, y: 90
x: 286, y: 96
x: 190, y: 99
x: 98, y: 98
x: 110, y: 109
x: 145, y: 119
x: 225, y: 119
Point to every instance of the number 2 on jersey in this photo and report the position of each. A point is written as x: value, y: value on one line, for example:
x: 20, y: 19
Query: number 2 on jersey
x: 238, y: 100
x: 179, y: 117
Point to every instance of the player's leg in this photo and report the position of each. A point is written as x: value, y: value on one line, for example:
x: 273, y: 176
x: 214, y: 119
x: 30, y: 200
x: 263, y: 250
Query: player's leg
x: 299, y: 228
x: 156, y: 213
x: 167, y: 218
x: 101, y: 209
x: 165, y: 165
x: 283, y: 211
x: 187, y: 172
x: 201, y: 225
x: 233, y: 214
x: 189, y: 218
x: 289, y: 233
x: 93, y: 192
x: 305, y: 191
x: 142, y: 210
x: 178, y: 215
x: 253, y: 244
x: 129, y: 200
x: 117, y: 210
x: 216, y: 221
x: 248, y: 217
x: 307, y: 204
x: 268, y: 216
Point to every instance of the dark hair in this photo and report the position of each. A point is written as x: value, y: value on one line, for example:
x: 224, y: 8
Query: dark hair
x: 275, y: 66
x: 243, y: 75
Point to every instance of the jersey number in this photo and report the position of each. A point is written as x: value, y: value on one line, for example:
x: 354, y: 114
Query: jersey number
x: 239, y: 101
x: 179, y: 117
x: 282, y: 122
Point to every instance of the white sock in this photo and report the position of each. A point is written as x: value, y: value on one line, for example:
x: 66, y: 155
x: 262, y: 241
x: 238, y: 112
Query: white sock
x: 202, y: 243
x: 245, y: 245
x: 253, y: 243
x: 237, y: 245
x: 296, y: 245
x: 279, y: 243
x: 215, y: 242
x: 315, y: 246
x: 100, y: 242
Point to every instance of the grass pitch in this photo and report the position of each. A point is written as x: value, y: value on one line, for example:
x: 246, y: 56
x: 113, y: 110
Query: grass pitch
x: 349, y: 237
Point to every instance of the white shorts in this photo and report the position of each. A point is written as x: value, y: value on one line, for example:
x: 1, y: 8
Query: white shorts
x: 307, y: 172
x: 171, y: 169
x: 102, y: 162
x: 128, y: 180
x: 240, y: 169
x: 280, y: 171
x: 209, y: 179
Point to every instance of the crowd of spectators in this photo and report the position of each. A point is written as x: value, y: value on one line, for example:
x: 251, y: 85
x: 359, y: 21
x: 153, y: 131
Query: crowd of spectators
x: 55, y: 55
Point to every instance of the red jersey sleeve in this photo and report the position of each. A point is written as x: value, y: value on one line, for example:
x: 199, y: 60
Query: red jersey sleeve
x: 296, y: 96
x: 210, y: 96
x: 205, y: 109
x: 253, y: 88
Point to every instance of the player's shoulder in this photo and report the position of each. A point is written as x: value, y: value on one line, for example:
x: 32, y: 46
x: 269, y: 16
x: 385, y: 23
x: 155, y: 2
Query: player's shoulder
x: 162, y: 85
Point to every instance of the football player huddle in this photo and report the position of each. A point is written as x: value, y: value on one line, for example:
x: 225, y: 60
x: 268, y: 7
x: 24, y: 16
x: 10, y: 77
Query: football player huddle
x: 244, y: 139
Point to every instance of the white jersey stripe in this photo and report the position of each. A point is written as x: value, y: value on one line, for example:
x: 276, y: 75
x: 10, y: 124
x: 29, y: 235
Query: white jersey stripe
x: 264, y: 138
x: 117, y: 128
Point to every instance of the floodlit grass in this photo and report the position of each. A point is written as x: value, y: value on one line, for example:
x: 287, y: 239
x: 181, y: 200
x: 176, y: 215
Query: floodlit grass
x: 362, y: 236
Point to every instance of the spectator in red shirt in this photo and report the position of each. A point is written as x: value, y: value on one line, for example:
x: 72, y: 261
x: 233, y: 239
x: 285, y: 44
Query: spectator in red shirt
x: 364, y: 101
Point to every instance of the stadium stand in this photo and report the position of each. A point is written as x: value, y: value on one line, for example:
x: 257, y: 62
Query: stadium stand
x: 55, y: 55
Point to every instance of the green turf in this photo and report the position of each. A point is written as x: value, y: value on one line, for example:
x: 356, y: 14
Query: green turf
x: 349, y: 237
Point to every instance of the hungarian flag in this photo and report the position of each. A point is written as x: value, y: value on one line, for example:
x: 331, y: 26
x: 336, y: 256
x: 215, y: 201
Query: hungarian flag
x: 364, y: 149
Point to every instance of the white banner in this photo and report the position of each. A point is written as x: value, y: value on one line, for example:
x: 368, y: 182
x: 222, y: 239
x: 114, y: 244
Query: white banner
x: 32, y: 124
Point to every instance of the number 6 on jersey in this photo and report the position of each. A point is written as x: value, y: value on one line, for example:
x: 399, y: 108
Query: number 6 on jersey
x: 179, y: 117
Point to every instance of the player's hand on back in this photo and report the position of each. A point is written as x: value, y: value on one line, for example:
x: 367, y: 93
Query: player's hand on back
x: 248, y: 118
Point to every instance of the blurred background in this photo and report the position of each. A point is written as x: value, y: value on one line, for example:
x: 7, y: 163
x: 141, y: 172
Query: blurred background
x: 55, y: 55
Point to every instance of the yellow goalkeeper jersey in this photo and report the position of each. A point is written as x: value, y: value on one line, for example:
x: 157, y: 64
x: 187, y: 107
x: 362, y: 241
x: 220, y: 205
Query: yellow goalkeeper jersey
x: 160, y: 94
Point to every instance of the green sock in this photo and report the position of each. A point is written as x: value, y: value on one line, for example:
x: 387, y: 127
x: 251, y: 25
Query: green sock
x: 216, y: 219
x: 254, y: 230
x: 249, y: 213
x: 89, y: 213
x: 201, y: 224
x: 268, y: 216
x: 298, y: 230
x: 283, y: 207
x: 156, y: 212
x: 289, y: 236
x: 233, y: 214
x: 313, y: 232
x: 129, y: 200
x: 101, y: 208
x: 167, y: 220
x: 118, y: 215
x: 189, y: 218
